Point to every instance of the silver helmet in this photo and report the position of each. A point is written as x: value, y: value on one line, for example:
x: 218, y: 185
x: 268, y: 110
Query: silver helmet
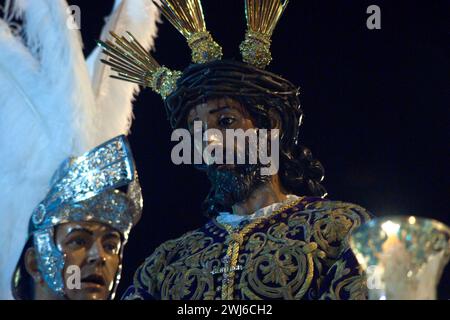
x: 83, y: 189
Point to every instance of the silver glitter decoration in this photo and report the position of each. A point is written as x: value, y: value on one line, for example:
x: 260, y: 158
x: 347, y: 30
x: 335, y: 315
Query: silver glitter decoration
x: 50, y: 259
x: 85, y: 189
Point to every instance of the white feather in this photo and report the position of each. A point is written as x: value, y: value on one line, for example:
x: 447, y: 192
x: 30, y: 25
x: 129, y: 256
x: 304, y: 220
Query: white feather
x: 49, y: 111
x: 114, y: 98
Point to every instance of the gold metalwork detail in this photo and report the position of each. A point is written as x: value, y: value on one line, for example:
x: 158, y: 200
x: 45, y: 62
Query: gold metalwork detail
x: 255, y: 49
x: 262, y: 17
x: 164, y: 81
x: 187, y: 17
x: 236, y: 239
x: 204, y: 48
x: 132, y: 63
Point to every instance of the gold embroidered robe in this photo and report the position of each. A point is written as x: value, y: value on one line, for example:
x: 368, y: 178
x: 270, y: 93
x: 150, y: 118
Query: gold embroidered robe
x: 299, y: 252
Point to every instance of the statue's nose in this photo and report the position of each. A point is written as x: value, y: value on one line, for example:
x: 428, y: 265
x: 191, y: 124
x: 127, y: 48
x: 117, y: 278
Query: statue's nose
x: 207, y: 137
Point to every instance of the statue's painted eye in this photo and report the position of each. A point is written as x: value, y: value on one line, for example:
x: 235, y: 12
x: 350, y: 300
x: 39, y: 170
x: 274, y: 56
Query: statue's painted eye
x: 225, y: 121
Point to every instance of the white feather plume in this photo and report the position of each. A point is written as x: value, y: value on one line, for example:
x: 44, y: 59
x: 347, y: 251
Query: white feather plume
x: 114, y: 98
x: 50, y: 109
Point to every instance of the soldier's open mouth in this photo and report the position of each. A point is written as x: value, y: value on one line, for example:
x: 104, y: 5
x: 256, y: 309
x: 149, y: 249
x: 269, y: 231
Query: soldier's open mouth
x: 94, y: 279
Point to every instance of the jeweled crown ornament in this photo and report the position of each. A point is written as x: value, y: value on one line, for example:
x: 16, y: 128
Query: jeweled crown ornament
x: 403, y: 257
x: 262, y: 17
x: 187, y: 16
x: 132, y: 63
x: 129, y: 59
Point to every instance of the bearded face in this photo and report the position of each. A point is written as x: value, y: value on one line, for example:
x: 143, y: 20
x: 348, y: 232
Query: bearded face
x: 234, y: 184
x: 231, y: 183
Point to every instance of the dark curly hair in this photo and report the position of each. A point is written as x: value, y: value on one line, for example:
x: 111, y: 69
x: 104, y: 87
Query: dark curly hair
x: 260, y: 92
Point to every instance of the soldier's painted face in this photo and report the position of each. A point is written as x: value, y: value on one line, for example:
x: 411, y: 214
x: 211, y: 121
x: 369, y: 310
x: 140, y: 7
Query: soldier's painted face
x: 94, y: 248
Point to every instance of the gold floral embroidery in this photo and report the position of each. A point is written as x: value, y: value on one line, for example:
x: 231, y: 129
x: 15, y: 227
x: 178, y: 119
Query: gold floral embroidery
x: 285, y: 259
x: 343, y: 283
